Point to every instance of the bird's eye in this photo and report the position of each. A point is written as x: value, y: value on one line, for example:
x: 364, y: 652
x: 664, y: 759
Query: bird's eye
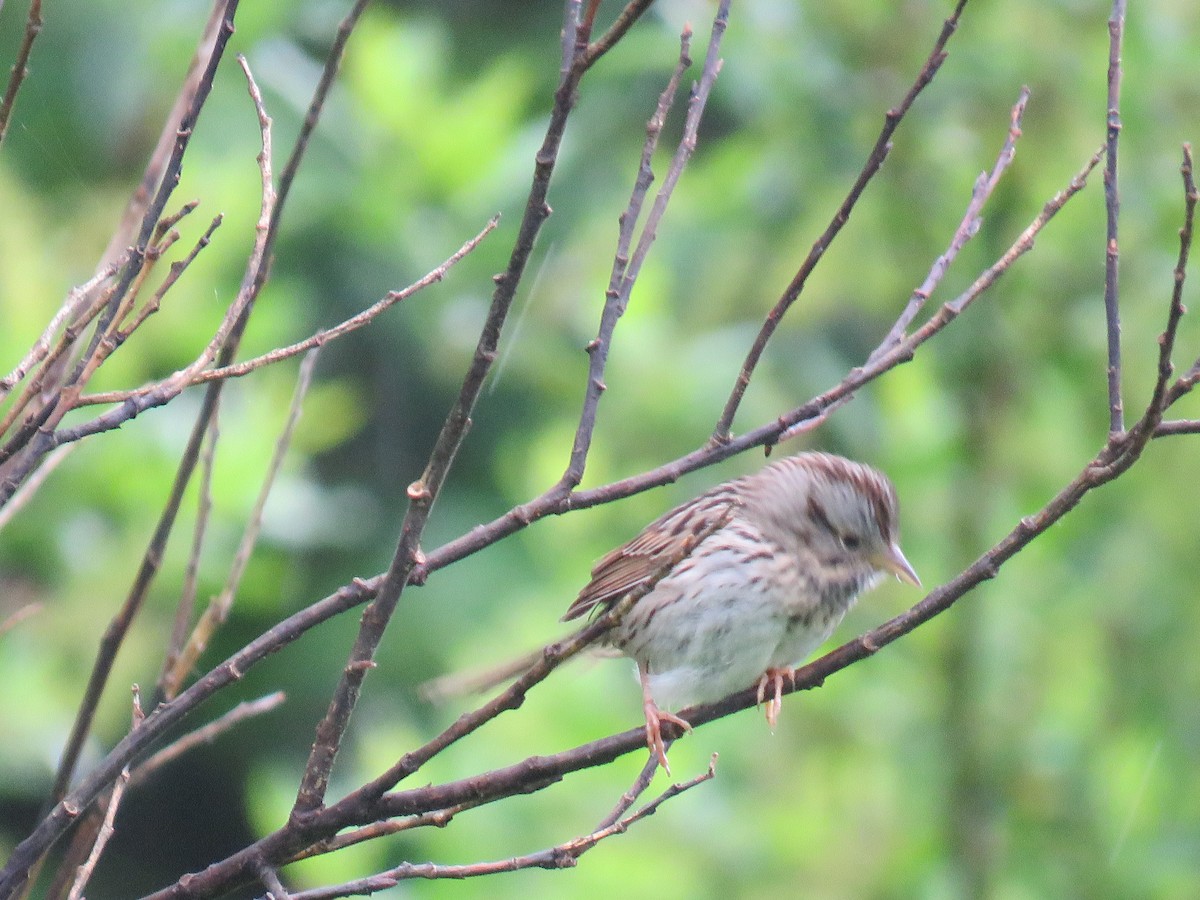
x: 851, y: 541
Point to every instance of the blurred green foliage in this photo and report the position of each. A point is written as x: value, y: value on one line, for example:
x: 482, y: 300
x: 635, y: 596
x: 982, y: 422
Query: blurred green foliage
x: 1041, y: 739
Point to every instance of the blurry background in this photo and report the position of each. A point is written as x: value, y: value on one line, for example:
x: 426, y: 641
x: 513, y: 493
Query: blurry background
x: 1041, y: 739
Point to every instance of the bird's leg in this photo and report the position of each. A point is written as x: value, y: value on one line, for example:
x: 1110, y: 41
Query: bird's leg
x: 774, y: 677
x: 654, y: 719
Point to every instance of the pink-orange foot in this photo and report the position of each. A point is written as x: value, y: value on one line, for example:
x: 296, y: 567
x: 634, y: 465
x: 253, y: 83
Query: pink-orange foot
x: 654, y: 719
x: 775, y: 678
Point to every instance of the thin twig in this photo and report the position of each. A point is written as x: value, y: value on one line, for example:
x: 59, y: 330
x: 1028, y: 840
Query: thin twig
x: 102, y: 836
x: 620, y: 26
x: 551, y: 657
x: 562, y: 856
x: 423, y: 492
x: 41, y: 347
x: 207, y: 734
x: 218, y: 609
x: 319, y: 339
x: 185, y: 610
x: 174, y: 273
x: 81, y: 310
x: 627, y: 266
x: 438, y: 818
x: 1187, y: 381
x: 156, y: 165
x: 114, y: 635
x: 312, y: 116
x: 767, y: 434
x: 270, y: 880
x: 1161, y: 398
x: 985, y: 184
x: 18, y: 616
x: 630, y: 797
x: 33, y: 25
x: 1112, y: 208
x: 26, y: 491
x: 104, y: 831
x: 1176, y: 427
x: 875, y: 160
x: 40, y: 433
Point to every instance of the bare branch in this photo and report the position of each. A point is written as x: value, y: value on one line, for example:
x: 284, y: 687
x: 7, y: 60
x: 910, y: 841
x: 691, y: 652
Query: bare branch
x: 985, y: 184
x: 721, y: 432
x: 1178, y: 426
x: 41, y: 348
x: 270, y: 879
x: 198, y: 74
x: 333, y: 63
x: 81, y: 308
x: 114, y: 635
x: 1112, y: 205
x: 320, y: 338
x: 218, y: 610
x: 767, y: 434
x: 438, y: 818
x: 563, y: 856
x: 18, y: 616
x: 207, y: 734
x: 102, y: 837
x: 1186, y: 382
x: 173, y: 275
x: 26, y: 491
x: 1161, y: 396
x: 616, y: 299
x: 423, y: 492
x: 45, y: 420
x: 186, y: 608
x: 33, y: 25
x: 626, y: 267
x: 625, y: 20
x: 640, y: 785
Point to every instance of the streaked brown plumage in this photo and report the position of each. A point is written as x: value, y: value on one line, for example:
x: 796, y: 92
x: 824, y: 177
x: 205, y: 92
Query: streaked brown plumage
x: 756, y: 594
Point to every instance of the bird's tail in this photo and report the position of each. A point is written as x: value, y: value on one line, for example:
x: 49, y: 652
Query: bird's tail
x: 475, y: 681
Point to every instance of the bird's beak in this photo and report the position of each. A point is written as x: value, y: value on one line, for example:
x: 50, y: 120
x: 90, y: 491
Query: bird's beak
x: 892, y: 560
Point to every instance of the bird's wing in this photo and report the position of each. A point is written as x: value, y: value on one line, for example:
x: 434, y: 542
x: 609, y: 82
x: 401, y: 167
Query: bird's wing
x: 661, y: 545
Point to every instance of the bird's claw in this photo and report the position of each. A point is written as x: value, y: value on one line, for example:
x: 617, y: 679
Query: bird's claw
x: 654, y: 739
x: 774, y: 677
x: 654, y: 719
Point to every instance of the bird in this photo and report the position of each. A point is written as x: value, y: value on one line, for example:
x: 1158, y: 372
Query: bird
x: 752, y: 576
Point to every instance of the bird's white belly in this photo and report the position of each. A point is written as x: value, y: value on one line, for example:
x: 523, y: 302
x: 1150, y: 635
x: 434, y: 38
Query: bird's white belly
x: 720, y: 638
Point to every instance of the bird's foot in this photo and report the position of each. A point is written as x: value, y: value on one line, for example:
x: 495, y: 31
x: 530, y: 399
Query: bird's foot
x: 775, y: 678
x: 654, y: 719
x: 654, y: 739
